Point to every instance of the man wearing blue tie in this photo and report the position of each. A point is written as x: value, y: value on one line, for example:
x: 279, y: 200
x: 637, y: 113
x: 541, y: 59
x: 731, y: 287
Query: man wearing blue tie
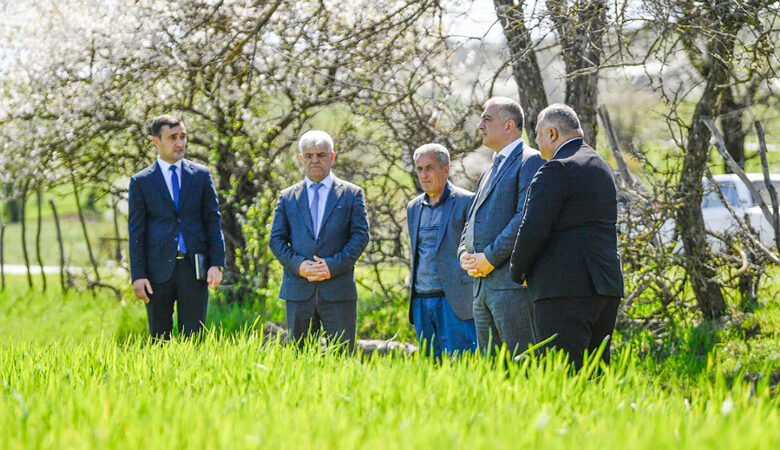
x: 174, y: 216
x: 319, y: 230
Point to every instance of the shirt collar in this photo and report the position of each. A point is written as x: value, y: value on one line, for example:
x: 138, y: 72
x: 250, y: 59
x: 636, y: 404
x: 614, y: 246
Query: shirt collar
x: 327, y: 181
x: 564, y: 144
x: 444, y: 196
x: 165, y: 165
x: 506, y: 151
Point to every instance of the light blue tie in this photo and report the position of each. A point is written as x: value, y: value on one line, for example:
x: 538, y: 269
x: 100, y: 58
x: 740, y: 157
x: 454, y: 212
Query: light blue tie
x: 175, y: 189
x: 314, y: 208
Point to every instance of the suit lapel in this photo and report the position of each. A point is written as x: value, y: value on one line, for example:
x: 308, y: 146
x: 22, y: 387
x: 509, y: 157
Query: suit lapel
x: 510, y: 160
x: 159, y: 181
x: 303, y: 205
x: 186, y: 182
x: 415, y: 225
x: 446, y: 212
x: 336, y: 191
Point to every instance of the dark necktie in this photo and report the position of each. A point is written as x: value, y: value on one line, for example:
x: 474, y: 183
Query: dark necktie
x: 482, y: 191
x: 314, y: 208
x: 493, y: 171
x: 496, y: 164
x: 175, y: 189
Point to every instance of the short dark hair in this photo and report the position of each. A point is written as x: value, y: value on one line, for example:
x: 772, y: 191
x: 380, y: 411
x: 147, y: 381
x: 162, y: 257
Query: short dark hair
x: 165, y: 120
x: 508, y: 109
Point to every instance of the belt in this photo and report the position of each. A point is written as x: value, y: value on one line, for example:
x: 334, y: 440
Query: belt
x: 435, y: 294
x: 180, y: 255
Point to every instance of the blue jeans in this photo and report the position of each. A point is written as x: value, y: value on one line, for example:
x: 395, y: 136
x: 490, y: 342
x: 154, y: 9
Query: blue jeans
x: 440, y: 329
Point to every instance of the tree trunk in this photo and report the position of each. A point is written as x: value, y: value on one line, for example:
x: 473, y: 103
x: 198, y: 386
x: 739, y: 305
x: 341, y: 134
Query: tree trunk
x: 525, y: 67
x: 59, y: 242
x: 689, y: 189
x: 22, y: 214
x: 734, y: 132
x: 580, y: 30
x: 38, y: 199
x: 83, y: 222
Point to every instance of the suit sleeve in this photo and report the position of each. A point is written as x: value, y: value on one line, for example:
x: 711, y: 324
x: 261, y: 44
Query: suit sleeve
x: 280, y: 239
x: 546, y: 198
x: 499, y: 251
x: 343, y: 261
x: 212, y: 219
x: 136, y: 226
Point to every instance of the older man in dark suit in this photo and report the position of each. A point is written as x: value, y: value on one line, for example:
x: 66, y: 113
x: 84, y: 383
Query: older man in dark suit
x: 501, y: 312
x: 319, y: 230
x: 440, y: 291
x: 567, y: 243
x: 174, y: 220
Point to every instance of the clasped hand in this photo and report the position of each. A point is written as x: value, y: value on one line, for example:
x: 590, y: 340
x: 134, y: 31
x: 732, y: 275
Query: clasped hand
x: 316, y: 270
x: 476, y: 264
x: 143, y: 288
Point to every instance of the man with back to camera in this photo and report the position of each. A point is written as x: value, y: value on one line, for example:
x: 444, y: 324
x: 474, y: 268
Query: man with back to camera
x: 501, y: 309
x: 567, y: 243
x: 173, y: 219
x: 440, y: 291
x: 319, y: 230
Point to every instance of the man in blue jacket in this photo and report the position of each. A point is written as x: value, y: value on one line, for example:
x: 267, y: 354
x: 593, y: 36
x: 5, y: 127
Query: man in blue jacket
x: 174, y: 221
x: 501, y: 309
x: 319, y: 230
x: 440, y: 291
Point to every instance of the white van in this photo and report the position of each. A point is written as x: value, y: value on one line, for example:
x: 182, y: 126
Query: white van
x: 719, y: 220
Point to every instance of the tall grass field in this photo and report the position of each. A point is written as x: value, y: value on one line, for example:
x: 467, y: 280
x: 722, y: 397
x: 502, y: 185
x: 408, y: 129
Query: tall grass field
x: 76, y: 371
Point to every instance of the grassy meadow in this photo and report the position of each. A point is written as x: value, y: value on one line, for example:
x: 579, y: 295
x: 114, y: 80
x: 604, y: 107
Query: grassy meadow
x: 76, y: 371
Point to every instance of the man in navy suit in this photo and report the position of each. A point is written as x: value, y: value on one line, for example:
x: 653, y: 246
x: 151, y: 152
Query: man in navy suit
x: 567, y: 243
x: 501, y: 309
x: 319, y: 230
x: 440, y: 291
x: 174, y: 215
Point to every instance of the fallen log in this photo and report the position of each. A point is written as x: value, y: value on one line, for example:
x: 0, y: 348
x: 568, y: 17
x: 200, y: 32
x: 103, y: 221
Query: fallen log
x: 272, y: 332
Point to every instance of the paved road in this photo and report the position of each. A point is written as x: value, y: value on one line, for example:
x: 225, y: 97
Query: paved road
x: 19, y: 269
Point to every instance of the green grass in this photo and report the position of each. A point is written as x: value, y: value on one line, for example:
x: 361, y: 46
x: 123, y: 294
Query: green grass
x: 76, y: 371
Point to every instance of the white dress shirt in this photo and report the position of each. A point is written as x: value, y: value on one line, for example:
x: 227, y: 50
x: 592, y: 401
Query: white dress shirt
x: 506, y: 151
x: 326, y: 183
x: 166, y: 171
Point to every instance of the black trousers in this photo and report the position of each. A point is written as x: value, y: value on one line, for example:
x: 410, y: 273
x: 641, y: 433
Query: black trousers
x: 310, y: 317
x: 581, y: 323
x: 191, y: 298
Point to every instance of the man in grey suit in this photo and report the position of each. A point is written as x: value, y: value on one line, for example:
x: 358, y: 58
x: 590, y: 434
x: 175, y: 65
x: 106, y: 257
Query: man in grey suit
x: 567, y: 243
x: 440, y: 291
x: 501, y: 309
x: 318, y: 232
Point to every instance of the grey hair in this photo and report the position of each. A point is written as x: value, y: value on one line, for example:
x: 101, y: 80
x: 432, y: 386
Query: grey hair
x: 562, y: 118
x: 441, y: 152
x: 508, y: 109
x: 315, y: 138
